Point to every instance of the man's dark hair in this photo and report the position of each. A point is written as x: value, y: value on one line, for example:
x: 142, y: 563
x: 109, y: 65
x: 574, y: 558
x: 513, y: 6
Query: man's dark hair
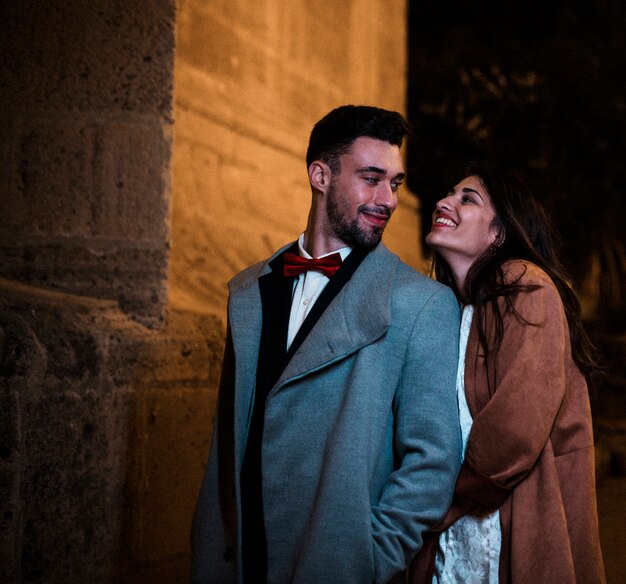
x: 333, y: 135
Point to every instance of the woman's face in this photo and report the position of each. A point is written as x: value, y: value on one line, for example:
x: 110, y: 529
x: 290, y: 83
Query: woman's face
x: 462, y: 226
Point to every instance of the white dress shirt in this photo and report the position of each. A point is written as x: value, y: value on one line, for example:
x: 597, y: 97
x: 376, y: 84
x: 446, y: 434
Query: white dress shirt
x: 307, y: 288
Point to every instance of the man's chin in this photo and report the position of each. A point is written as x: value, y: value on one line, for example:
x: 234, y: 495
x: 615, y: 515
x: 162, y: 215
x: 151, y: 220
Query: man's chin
x: 372, y: 239
x: 367, y: 237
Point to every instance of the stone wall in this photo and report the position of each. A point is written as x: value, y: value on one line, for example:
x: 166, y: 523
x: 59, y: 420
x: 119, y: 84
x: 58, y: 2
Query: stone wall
x: 251, y: 80
x: 100, y: 452
x: 107, y: 379
x: 86, y: 108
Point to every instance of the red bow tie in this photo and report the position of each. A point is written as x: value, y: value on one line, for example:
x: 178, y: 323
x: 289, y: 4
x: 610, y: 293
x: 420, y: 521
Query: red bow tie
x: 294, y: 265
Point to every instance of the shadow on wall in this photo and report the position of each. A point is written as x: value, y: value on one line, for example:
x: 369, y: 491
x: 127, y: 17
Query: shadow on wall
x: 104, y: 438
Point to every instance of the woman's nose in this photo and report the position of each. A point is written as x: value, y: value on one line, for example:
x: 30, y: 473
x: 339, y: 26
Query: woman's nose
x: 444, y: 203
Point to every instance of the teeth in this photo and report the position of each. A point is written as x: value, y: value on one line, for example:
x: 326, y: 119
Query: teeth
x: 443, y: 221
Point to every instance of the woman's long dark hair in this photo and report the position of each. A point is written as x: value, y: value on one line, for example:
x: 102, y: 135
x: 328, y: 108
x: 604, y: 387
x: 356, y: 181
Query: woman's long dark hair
x: 525, y: 234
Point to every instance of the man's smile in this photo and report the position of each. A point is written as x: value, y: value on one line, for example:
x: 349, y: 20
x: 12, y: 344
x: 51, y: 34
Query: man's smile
x: 376, y: 217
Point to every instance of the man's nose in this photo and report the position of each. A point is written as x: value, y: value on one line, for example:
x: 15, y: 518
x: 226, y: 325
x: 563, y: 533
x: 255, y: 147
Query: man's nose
x: 386, y: 196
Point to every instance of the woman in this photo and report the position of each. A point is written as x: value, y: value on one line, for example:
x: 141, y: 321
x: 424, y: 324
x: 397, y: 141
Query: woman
x: 524, y: 509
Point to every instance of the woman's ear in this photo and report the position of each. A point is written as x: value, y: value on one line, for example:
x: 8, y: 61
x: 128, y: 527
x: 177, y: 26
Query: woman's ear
x: 498, y: 234
x: 320, y: 175
x: 498, y: 237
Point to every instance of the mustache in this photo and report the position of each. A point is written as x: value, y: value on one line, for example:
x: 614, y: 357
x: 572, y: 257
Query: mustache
x: 376, y: 209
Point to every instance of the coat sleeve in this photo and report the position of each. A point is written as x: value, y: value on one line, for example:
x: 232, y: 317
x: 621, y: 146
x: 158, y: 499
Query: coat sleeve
x: 427, y: 438
x: 528, y: 386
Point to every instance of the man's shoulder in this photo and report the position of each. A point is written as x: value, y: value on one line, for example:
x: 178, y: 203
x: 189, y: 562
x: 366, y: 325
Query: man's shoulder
x: 415, y: 288
x: 409, y: 280
x: 252, y: 273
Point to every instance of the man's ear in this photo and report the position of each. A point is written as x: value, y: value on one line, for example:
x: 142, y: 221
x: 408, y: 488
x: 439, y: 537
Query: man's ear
x: 320, y: 175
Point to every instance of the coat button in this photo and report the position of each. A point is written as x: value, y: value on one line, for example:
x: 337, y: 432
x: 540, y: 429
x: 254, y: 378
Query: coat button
x: 228, y: 554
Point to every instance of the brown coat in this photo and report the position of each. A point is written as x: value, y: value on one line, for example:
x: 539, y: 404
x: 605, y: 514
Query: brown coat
x: 530, y: 452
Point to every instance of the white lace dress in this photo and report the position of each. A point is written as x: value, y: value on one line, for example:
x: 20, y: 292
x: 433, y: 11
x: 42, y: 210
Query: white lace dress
x: 469, y: 550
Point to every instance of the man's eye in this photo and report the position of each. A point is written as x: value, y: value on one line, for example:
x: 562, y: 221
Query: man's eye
x: 395, y: 186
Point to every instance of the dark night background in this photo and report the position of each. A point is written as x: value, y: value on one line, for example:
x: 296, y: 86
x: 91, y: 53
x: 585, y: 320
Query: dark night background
x: 538, y: 88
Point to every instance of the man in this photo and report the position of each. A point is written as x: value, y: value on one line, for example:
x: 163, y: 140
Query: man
x: 336, y: 440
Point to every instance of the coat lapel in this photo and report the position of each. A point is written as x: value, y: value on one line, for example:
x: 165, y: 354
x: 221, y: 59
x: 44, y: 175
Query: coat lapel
x: 246, y: 320
x: 276, y: 294
x: 356, y: 317
x: 334, y: 286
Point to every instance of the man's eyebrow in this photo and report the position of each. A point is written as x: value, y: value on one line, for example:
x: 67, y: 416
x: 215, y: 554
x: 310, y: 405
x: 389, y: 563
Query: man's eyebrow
x: 372, y: 169
x: 375, y: 169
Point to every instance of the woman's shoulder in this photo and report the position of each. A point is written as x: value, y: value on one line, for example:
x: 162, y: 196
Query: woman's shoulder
x: 525, y: 273
x: 536, y: 290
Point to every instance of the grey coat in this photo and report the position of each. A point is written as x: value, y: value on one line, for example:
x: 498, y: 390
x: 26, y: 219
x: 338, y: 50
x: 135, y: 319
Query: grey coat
x: 361, y: 442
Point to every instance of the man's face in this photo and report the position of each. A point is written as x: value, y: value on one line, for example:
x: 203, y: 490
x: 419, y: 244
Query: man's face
x: 364, y: 192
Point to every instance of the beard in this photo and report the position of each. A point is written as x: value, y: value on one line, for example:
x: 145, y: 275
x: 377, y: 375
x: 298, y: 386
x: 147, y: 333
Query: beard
x: 347, y: 229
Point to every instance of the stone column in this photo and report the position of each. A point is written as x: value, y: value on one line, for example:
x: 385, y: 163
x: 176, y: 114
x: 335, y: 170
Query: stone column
x: 105, y: 398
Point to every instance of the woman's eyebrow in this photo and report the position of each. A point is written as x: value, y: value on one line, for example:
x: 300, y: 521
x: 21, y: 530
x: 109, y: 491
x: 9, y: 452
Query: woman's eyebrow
x: 468, y: 190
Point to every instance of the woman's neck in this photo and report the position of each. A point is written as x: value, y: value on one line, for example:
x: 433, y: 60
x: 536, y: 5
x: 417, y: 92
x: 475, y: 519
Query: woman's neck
x: 459, y: 271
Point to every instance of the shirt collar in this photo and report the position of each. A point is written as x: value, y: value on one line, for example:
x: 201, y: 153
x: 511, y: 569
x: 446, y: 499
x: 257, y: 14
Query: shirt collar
x: 343, y: 251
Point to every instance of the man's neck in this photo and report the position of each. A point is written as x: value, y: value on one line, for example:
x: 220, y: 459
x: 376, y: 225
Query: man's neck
x: 318, y: 246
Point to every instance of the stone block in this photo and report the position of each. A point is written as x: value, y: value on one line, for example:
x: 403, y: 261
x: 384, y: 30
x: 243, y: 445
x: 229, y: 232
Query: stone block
x: 104, y: 453
x: 209, y: 43
x: 74, y: 56
x: 319, y: 36
x: 158, y: 360
x: 51, y: 180
x: 170, y: 453
x: 71, y: 491
x: 66, y: 465
x: 103, y: 268
x: 75, y: 177
x: 131, y: 199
